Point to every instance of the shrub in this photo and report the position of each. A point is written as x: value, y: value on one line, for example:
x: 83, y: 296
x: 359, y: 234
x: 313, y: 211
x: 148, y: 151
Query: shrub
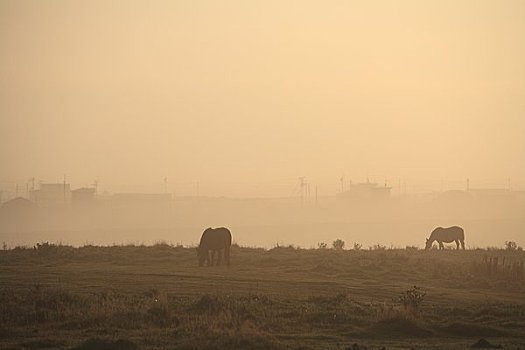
x: 44, y: 246
x: 322, y: 245
x: 412, y: 299
x: 338, y: 244
x: 512, y: 246
x: 357, y: 246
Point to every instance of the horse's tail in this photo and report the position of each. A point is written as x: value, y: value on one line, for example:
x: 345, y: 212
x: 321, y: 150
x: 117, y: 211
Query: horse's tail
x: 461, y: 233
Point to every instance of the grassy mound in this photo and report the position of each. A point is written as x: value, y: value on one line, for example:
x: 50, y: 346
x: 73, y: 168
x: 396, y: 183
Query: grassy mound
x: 462, y: 329
x: 399, y: 327
x: 106, y: 344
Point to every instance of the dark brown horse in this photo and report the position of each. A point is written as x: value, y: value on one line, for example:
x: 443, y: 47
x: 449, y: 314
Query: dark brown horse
x: 214, y: 240
x: 446, y: 235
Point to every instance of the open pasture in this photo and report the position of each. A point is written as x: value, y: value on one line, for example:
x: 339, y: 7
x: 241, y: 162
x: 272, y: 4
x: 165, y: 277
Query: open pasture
x: 156, y: 297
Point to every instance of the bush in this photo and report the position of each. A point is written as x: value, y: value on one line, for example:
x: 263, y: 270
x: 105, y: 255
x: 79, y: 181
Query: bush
x: 322, y: 245
x: 412, y: 299
x: 357, y: 246
x: 338, y: 244
x: 512, y: 246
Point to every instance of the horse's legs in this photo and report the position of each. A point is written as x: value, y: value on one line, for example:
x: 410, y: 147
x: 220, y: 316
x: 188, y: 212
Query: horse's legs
x: 219, y: 259
x: 457, y: 244
x: 207, y: 258
x: 227, y: 255
x: 213, y: 256
x: 441, y: 246
x: 463, y: 244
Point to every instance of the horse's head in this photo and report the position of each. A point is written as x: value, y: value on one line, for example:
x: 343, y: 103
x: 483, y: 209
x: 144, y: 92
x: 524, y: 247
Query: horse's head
x: 428, y: 244
x: 201, y: 255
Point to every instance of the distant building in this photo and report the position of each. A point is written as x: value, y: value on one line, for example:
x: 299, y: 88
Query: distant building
x: 490, y: 192
x: 366, y: 191
x: 83, y: 196
x: 49, y: 195
x: 17, y: 213
x: 453, y: 196
x: 142, y: 198
x: 18, y: 204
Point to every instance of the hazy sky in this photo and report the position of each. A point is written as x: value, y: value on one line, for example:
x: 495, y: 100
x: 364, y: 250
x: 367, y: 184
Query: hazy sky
x: 246, y: 96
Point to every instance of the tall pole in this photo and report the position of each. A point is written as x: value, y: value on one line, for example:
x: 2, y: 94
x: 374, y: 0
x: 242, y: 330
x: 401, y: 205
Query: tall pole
x: 302, y: 188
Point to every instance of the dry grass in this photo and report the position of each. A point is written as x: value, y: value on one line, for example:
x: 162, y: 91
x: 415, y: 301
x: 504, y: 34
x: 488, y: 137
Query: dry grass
x: 156, y: 297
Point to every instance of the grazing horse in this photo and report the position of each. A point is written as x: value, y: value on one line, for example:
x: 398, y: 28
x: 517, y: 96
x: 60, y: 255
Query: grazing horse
x: 446, y: 235
x: 215, y: 240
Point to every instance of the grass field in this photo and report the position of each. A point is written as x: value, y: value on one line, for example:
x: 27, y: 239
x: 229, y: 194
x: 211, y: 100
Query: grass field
x: 156, y: 297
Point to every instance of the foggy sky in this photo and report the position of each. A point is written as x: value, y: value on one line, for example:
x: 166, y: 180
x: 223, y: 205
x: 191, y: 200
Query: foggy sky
x: 246, y: 96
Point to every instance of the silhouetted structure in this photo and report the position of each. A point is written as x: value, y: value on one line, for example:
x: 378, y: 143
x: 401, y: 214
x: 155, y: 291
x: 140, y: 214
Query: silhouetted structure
x: 142, y: 198
x: 83, y: 196
x: 366, y: 191
x: 17, y: 213
x: 51, y: 195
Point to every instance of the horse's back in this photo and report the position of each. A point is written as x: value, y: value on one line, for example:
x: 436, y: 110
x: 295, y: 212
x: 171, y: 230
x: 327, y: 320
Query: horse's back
x: 449, y: 234
x: 218, y: 238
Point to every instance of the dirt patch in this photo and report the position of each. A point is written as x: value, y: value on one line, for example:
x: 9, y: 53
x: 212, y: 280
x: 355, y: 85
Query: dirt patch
x: 43, y: 344
x: 399, y: 327
x: 107, y: 344
x: 484, y: 344
x: 467, y: 330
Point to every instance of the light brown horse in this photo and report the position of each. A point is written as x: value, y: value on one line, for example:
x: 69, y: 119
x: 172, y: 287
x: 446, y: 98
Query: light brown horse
x: 446, y: 235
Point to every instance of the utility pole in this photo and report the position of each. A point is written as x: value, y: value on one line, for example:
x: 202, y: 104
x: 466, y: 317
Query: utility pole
x: 95, y: 185
x: 302, y: 188
x: 316, y: 195
x: 308, y: 191
x: 64, y: 188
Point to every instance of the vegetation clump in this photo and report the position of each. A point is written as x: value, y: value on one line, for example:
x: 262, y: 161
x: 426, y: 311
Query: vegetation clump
x: 512, y: 246
x: 338, y: 244
x: 412, y: 300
